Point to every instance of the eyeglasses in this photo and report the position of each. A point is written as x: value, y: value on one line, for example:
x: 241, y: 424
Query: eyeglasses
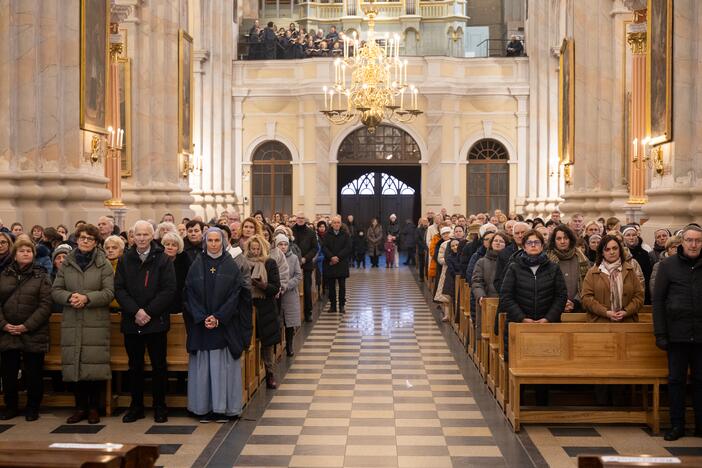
x: 533, y: 243
x: 86, y: 239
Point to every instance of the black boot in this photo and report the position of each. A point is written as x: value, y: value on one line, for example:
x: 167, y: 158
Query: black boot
x: 289, y: 343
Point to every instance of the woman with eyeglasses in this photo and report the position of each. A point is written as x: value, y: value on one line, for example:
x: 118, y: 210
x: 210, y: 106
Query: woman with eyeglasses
x: 85, y: 287
x: 533, y: 290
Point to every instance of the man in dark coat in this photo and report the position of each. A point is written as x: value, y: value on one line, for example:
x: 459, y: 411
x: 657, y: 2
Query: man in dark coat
x: 306, y: 240
x: 677, y: 324
x: 408, y: 240
x: 145, y: 284
x: 270, y: 41
x: 337, y: 252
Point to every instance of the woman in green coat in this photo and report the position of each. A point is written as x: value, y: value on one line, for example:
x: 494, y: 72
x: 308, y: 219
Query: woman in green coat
x: 85, y: 288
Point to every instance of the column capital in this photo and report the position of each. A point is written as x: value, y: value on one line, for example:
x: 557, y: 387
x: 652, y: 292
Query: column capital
x: 637, y: 41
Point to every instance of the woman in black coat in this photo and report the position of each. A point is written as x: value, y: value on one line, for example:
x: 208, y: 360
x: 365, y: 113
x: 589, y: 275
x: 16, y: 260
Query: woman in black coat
x: 265, y: 284
x: 25, y: 295
x: 533, y: 291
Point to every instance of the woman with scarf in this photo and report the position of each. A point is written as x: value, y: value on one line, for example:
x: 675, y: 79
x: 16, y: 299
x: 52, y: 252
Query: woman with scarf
x: 85, y: 287
x: 218, y: 331
x: 265, y: 285
x: 290, y: 299
x: 533, y: 291
x: 25, y: 295
x: 483, y: 278
x: 563, y: 251
x: 611, y: 290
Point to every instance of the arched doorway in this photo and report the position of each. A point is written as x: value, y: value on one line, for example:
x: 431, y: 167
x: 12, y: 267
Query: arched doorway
x: 271, y: 178
x: 379, y: 174
x: 488, y: 177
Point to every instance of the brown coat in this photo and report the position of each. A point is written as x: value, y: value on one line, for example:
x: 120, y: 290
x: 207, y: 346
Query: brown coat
x: 596, y: 294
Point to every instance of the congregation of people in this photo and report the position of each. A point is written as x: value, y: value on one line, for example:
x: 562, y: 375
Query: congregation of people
x: 217, y: 273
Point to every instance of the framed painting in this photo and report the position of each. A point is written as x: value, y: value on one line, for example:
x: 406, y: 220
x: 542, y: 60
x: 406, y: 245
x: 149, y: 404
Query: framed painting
x: 659, y: 71
x: 185, y: 93
x: 125, y: 113
x: 94, y: 64
x: 566, y: 103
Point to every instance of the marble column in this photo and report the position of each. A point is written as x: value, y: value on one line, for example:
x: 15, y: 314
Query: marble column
x: 46, y: 175
x: 213, y: 34
x: 156, y: 185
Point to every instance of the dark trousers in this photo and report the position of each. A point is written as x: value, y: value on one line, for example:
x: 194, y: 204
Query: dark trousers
x: 422, y: 265
x: 682, y: 356
x: 32, y: 374
x: 156, y: 344
x: 87, y: 394
x: 331, y: 290
x: 307, y: 291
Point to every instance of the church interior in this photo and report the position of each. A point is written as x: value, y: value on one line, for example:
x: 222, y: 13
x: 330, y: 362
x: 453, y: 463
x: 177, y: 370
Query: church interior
x: 421, y: 158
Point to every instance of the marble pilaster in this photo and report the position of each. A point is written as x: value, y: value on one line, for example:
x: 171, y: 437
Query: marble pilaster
x: 46, y: 176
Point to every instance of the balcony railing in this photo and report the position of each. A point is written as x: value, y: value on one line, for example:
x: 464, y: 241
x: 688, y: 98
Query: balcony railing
x: 316, y: 10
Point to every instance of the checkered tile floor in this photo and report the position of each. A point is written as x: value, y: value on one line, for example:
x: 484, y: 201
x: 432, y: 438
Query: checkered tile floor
x: 376, y: 386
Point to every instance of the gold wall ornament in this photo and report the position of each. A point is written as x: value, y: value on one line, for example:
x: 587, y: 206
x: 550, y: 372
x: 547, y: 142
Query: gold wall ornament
x: 97, y: 149
x: 637, y: 42
x: 375, y: 91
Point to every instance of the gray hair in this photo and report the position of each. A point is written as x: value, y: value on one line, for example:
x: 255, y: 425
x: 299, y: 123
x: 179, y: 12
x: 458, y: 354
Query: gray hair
x: 142, y: 222
x: 173, y: 237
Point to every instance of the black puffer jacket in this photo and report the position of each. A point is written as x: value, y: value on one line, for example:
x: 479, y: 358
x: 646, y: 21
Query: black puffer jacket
x: 150, y: 285
x: 25, y: 297
x: 677, y: 295
x: 535, y: 296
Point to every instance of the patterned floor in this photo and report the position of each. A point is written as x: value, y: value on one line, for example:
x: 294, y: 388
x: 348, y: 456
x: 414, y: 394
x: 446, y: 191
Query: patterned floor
x: 376, y: 386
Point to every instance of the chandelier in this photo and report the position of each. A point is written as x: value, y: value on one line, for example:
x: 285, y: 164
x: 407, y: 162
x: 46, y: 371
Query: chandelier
x: 378, y: 82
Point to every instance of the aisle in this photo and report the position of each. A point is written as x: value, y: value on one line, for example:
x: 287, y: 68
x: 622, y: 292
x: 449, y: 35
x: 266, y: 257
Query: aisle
x: 377, y: 386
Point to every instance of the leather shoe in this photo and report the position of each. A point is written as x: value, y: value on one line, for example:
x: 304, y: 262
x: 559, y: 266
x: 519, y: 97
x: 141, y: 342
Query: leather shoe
x: 76, y: 417
x: 270, y: 382
x: 93, y: 416
x: 160, y: 415
x: 133, y: 414
x: 9, y: 413
x: 674, y: 434
x: 31, y: 415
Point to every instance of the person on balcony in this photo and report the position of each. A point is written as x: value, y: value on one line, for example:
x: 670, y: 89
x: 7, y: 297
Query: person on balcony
x: 515, y: 48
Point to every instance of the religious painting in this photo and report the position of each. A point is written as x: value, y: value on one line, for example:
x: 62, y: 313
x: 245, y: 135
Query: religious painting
x: 659, y: 68
x: 185, y: 93
x: 94, y: 64
x: 566, y: 103
x: 125, y: 114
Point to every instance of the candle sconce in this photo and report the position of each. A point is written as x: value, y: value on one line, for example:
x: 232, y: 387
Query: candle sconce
x: 97, y: 149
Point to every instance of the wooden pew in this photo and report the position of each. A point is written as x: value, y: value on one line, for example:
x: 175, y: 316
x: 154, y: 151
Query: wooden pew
x: 576, y: 353
x: 127, y: 455
x: 502, y: 383
x: 487, y: 318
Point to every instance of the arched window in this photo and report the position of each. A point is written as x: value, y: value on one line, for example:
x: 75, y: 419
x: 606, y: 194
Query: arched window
x: 488, y: 177
x: 271, y: 173
x: 389, y: 144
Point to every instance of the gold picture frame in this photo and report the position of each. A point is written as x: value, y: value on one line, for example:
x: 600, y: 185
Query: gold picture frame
x: 125, y: 113
x: 94, y: 64
x: 566, y: 103
x: 659, y: 71
x: 185, y: 92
